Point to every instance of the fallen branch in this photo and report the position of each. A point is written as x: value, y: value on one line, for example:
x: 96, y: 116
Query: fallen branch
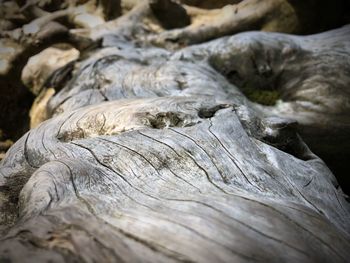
x: 271, y: 15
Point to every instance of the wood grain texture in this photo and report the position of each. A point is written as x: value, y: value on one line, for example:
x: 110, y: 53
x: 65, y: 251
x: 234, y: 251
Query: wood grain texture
x: 169, y: 179
x: 309, y: 74
x: 150, y: 155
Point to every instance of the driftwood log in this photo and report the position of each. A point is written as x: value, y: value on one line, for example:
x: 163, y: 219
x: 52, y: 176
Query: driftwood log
x: 24, y: 30
x: 303, y: 78
x: 143, y: 154
x: 169, y: 179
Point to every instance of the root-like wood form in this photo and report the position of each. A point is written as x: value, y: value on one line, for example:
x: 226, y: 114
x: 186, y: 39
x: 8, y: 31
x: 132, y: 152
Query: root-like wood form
x: 169, y: 179
x: 144, y: 154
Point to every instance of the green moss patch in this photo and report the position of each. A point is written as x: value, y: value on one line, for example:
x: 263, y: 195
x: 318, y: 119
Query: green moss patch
x: 264, y: 97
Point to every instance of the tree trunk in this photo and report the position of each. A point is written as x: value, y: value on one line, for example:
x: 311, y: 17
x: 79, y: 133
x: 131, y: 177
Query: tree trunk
x: 143, y: 154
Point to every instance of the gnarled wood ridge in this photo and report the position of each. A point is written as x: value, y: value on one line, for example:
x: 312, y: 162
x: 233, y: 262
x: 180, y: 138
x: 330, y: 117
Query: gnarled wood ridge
x: 140, y: 153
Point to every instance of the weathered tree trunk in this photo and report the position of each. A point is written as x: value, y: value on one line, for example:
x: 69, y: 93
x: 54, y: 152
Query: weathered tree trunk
x: 169, y: 179
x: 141, y: 154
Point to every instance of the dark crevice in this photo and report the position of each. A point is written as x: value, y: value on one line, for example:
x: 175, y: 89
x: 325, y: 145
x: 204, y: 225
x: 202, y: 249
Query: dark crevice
x: 206, y: 113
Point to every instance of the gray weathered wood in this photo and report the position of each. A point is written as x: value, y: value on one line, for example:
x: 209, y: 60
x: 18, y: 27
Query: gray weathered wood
x: 149, y: 155
x: 309, y: 74
x: 169, y: 179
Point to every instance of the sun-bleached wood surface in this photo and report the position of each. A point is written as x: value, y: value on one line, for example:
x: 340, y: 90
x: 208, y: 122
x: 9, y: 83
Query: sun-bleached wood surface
x: 169, y: 179
x: 148, y: 155
x: 306, y: 75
